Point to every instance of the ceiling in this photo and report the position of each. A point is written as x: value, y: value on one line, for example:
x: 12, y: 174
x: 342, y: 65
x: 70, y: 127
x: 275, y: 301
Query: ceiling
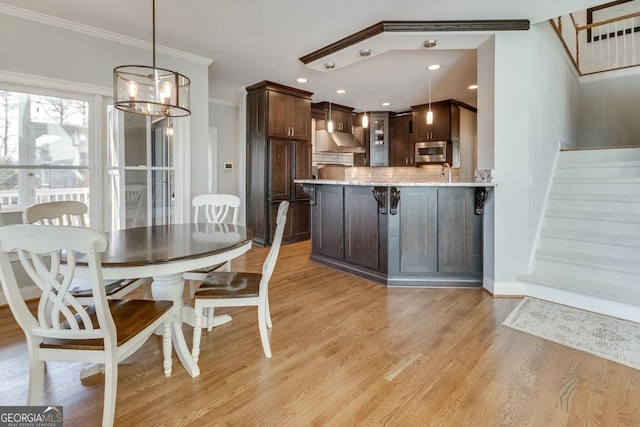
x: 254, y: 40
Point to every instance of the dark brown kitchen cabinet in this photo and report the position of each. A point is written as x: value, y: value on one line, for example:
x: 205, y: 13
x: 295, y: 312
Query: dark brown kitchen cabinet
x: 348, y: 229
x: 298, y: 225
x: 289, y: 116
x: 302, y: 167
x: 440, y: 233
x: 341, y: 116
x: 328, y: 222
x: 288, y: 160
x: 459, y: 233
x: 418, y: 232
x: 361, y: 228
x: 446, y: 121
x: 278, y: 151
x: 281, y: 158
x: 401, y: 147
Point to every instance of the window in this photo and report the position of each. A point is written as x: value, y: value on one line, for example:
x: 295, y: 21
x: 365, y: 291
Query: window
x: 44, y: 148
x: 141, y: 173
x: 60, y: 144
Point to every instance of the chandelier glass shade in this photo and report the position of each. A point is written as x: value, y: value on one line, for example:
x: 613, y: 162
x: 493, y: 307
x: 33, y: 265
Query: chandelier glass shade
x: 149, y: 90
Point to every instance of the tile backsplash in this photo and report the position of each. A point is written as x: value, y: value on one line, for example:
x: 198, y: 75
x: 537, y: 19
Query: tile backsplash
x: 427, y: 173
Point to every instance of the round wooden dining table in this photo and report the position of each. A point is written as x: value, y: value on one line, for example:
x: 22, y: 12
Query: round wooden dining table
x: 164, y: 252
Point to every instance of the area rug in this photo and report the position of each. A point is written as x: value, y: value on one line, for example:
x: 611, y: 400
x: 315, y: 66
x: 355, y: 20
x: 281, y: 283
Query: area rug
x: 607, y: 337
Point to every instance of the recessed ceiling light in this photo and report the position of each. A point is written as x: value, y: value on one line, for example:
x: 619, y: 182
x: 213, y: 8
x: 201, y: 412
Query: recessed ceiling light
x: 301, y: 80
x: 430, y: 43
x: 386, y: 104
x: 473, y: 87
x: 433, y: 67
x: 341, y: 91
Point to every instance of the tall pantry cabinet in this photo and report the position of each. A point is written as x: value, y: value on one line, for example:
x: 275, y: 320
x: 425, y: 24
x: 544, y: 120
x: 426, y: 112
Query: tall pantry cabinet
x: 278, y: 151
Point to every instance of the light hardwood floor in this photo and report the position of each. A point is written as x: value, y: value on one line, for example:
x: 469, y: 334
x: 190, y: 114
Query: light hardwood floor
x: 347, y: 351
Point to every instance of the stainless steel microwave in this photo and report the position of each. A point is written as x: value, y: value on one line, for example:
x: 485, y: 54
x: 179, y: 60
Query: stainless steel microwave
x: 438, y: 152
x: 431, y: 152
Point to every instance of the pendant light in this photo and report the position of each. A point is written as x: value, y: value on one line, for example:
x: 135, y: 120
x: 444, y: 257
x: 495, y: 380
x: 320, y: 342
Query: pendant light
x: 430, y: 68
x: 330, y: 66
x: 429, y: 112
x: 365, y: 119
x: 151, y: 91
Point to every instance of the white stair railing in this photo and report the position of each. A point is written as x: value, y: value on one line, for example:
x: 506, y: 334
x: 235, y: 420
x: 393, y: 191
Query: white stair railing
x: 602, y: 46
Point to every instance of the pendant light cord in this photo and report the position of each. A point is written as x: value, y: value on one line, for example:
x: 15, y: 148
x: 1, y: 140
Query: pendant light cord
x: 429, y: 90
x: 153, y: 26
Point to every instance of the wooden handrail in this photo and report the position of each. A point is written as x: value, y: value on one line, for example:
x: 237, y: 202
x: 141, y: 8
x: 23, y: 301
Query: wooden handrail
x: 608, y: 21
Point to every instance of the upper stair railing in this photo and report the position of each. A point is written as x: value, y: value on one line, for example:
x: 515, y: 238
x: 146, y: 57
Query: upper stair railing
x: 601, y: 46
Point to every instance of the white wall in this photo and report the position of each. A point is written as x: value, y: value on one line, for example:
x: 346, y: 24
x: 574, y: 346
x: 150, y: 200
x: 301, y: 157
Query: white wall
x: 536, y: 102
x: 608, y: 114
x: 553, y: 115
x: 34, y: 48
x: 225, y: 118
x: 511, y: 144
x: 485, y: 155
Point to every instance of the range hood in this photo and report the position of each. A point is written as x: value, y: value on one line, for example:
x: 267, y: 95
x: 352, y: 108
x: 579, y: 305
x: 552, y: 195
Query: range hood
x: 337, y: 142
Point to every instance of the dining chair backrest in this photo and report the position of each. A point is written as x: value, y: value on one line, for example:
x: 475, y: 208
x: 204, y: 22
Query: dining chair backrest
x: 216, y: 208
x: 72, y: 213
x: 270, y: 261
x: 134, y: 201
x: 67, y: 212
x: 59, y: 314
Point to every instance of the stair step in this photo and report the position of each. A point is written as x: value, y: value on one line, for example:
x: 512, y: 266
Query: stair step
x: 579, y: 247
x: 603, y: 197
x: 627, y: 240
x: 633, y: 180
x: 594, y: 215
x: 602, y: 289
x: 600, y: 188
x: 599, y: 172
x: 591, y: 260
x: 599, y: 206
x: 600, y: 155
x: 586, y: 272
x: 589, y: 225
x: 598, y: 163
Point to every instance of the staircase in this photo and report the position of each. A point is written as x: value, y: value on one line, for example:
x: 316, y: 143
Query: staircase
x: 590, y: 239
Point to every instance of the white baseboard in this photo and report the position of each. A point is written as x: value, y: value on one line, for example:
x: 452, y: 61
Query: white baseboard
x: 559, y: 296
x: 28, y: 292
x: 585, y: 302
x: 504, y: 289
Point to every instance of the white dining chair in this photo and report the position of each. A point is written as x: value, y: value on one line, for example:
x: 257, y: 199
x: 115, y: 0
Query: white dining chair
x: 212, y: 209
x: 64, y: 329
x: 134, y: 202
x: 73, y: 213
x: 236, y: 289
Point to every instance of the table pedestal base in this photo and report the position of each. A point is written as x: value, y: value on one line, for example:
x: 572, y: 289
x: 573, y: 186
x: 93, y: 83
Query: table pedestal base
x: 171, y: 287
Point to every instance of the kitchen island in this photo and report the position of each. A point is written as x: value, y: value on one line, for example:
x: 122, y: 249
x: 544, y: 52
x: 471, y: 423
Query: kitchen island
x: 399, y: 233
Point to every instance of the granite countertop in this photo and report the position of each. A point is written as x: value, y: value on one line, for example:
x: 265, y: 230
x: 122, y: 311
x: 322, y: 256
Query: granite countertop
x: 394, y: 183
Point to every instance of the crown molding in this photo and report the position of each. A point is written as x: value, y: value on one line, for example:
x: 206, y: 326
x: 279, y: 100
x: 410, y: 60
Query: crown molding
x: 99, y: 33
